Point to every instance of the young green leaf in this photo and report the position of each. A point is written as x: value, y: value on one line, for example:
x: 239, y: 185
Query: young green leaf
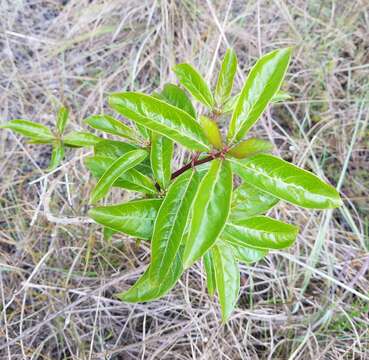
x: 210, y: 210
x: 227, y: 277
x: 194, y: 83
x: 145, y: 289
x: 80, y: 139
x: 210, y: 272
x: 30, y: 129
x: 286, y: 181
x: 230, y: 104
x: 171, y: 223
x: 250, y: 147
x: 134, y: 218
x: 227, y: 72
x: 261, y: 84
x: 117, y: 168
x: 175, y: 96
x: 160, y: 117
x: 57, y: 156
x: 211, y: 131
x: 62, y: 119
x: 115, y: 149
x: 246, y: 254
x: 110, y: 125
x: 260, y: 232
x: 131, y: 180
x: 161, y: 154
x: 248, y: 201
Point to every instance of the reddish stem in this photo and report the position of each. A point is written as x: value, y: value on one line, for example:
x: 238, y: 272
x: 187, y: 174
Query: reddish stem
x: 192, y: 164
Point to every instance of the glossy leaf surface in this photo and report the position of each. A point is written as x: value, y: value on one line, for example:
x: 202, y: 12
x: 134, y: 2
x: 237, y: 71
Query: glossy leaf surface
x: 194, y: 83
x: 250, y: 147
x: 260, y: 232
x: 80, y: 139
x: 117, y: 168
x: 211, y: 131
x: 210, y: 272
x: 146, y: 290
x: 261, y: 84
x: 161, y: 154
x: 210, y: 210
x: 248, y: 255
x: 110, y: 125
x: 171, y: 223
x: 115, y: 149
x: 62, y: 119
x: 160, y: 117
x: 112, y: 148
x: 230, y: 104
x: 248, y: 201
x: 130, y: 180
x: 227, y: 72
x: 30, y: 129
x: 227, y: 277
x: 135, y: 218
x: 286, y: 181
x: 175, y: 96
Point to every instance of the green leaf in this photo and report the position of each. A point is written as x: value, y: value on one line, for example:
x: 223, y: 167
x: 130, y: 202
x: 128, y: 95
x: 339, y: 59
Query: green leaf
x: 57, y: 156
x: 80, y: 139
x: 30, y: 129
x: 160, y: 117
x: 210, y: 272
x: 110, y: 125
x: 62, y: 119
x: 250, y: 147
x: 134, y: 218
x: 115, y: 149
x: 210, y: 210
x: 161, y: 154
x: 261, y: 84
x: 117, y: 168
x: 194, y: 83
x: 147, y: 290
x: 171, y: 223
x: 131, y: 180
x: 143, y: 131
x: 227, y: 72
x: 281, y: 96
x: 248, y: 201
x: 286, y: 181
x: 227, y: 277
x: 248, y: 255
x: 260, y: 232
x: 230, y: 104
x: 211, y: 131
x: 175, y: 96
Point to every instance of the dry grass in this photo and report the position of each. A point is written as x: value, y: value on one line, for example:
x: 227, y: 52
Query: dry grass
x: 57, y: 280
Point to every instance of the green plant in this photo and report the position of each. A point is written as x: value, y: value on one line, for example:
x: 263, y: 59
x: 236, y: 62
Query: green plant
x: 195, y: 212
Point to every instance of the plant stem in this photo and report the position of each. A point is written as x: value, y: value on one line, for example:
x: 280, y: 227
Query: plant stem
x: 195, y: 163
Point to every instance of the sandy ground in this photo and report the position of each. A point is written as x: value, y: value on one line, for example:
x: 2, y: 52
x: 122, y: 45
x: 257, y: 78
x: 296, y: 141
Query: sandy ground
x: 57, y: 278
